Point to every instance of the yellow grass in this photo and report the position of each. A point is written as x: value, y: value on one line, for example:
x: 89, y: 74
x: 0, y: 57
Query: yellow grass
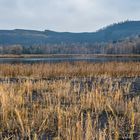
x: 80, y: 69
x: 37, y: 109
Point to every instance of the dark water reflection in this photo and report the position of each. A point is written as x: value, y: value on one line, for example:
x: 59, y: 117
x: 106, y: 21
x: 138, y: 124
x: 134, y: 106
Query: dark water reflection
x: 65, y: 59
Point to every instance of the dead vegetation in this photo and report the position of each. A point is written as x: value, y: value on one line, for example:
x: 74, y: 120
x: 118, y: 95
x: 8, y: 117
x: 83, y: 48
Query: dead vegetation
x: 80, y: 69
x: 71, y: 108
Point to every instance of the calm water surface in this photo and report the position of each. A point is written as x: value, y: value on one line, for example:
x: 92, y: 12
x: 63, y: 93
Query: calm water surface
x: 64, y: 59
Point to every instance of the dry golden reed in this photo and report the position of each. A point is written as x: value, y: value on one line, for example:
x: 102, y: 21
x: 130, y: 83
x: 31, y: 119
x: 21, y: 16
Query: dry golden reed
x: 75, y: 107
x: 70, y: 69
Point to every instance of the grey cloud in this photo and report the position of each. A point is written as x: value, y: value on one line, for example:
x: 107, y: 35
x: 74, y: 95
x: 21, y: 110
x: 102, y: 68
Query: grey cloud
x: 66, y: 15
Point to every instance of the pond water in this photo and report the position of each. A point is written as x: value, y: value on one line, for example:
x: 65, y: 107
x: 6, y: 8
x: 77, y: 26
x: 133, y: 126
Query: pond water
x: 68, y: 59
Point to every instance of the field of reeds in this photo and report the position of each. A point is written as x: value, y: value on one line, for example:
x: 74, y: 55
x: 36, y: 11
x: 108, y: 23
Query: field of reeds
x: 76, y: 69
x: 70, y: 101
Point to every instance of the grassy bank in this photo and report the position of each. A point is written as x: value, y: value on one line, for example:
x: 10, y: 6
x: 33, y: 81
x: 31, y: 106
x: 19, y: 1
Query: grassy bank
x: 65, y: 55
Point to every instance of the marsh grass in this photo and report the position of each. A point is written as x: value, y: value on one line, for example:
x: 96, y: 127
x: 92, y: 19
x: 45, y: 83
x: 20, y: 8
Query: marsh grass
x: 115, y: 69
x: 64, y: 109
x: 45, y: 110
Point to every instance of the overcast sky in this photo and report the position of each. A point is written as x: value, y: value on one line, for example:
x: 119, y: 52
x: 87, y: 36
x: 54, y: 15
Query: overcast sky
x: 66, y: 15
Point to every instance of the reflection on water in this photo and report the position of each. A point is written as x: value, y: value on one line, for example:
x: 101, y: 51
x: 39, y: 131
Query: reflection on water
x: 64, y: 59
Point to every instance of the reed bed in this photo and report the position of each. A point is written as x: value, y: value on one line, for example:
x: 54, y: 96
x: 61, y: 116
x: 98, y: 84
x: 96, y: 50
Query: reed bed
x: 70, y: 108
x: 59, y: 110
x: 80, y: 69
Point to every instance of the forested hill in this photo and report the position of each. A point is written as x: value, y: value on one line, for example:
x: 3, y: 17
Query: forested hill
x: 114, y: 32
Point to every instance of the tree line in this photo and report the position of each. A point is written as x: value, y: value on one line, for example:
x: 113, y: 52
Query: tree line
x: 127, y: 46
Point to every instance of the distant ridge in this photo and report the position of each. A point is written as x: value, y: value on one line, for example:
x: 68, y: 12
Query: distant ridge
x: 110, y: 33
